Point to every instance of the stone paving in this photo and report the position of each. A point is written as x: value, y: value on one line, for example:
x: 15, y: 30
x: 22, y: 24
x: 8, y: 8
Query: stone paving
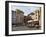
x: 20, y: 28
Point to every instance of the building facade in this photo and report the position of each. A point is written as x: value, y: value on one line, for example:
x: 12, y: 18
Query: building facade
x: 17, y: 17
x: 13, y: 17
x: 36, y: 16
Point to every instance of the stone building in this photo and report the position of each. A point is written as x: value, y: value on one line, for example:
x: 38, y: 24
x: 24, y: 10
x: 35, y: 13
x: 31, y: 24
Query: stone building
x: 17, y: 17
x: 13, y: 17
x: 36, y: 16
x: 27, y: 19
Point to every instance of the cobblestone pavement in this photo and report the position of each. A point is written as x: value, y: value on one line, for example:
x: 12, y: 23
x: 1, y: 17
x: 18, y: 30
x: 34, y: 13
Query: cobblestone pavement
x: 20, y: 28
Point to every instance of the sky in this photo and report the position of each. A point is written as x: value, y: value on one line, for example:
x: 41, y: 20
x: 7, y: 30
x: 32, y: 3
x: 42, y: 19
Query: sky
x: 26, y: 9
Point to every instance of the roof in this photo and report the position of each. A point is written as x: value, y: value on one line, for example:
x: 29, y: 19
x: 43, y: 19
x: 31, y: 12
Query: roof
x: 19, y: 11
x: 31, y: 13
